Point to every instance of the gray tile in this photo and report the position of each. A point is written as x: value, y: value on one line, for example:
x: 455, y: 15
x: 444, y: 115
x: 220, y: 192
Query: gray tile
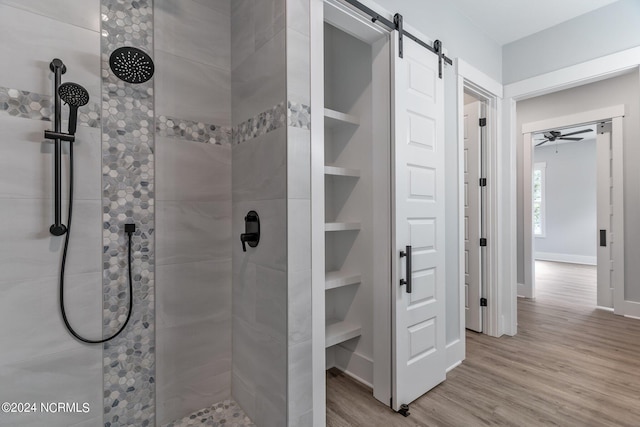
x: 298, y: 12
x: 192, y: 30
x: 192, y: 292
x: 26, y: 161
x: 83, y: 13
x: 36, y: 40
x: 300, y: 384
x: 29, y: 251
x: 298, y: 224
x: 298, y: 163
x: 192, y: 171
x: 244, y: 289
x: 192, y: 231
x: 192, y: 90
x: 271, y: 20
x: 259, y: 82
x: 243, y: 43
x: 67, y: 376
x: 31, y: 308
x: 299, y: 306
x: 226, y: 412
x: 298, y: 67
x: 222, y: 6
x: 271, y: 302
x: 189, y: 130
x: 259, y: 167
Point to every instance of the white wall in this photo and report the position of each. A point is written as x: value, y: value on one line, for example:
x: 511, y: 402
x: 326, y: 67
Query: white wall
x: 460, y: 37
x: 570, y: 202
x: 604, y: 31
x: 625, y: 90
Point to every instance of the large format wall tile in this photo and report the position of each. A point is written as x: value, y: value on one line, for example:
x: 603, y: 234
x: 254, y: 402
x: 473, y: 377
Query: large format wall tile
x: 194, y: 31
x: 259, y: 82
x: 298, y: 67
x: 193, y: 292
x: 298, y: 163
x: 82, y: 13
x: 192, y: 231
x: 192, y: 90
x: 192, y: 171
x: 26, y: 161
x: 31, y: 313
x: 260, y: 167
x: 35, y: 40
x: 29, y: 251
x: 75, y: 374
x: 222, y: 6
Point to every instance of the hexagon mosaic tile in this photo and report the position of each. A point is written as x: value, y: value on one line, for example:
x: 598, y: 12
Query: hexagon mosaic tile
x: 128, y: 128
x: 193, y: 131
x: 224, y: 414
x: 36, y: 106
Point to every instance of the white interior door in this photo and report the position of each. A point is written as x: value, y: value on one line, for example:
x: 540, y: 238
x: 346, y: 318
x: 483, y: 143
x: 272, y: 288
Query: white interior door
x: 605, y: 212
x: 472, y: 217
x: 419, y: 356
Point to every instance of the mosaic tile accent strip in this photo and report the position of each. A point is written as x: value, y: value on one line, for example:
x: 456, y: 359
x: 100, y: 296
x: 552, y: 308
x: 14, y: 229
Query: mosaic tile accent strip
x: 128, y: 128
x: 263, y: 123
x: 299, y: 115
x: 224, y: 414
x: 193, y: 131
x: 36, y: 106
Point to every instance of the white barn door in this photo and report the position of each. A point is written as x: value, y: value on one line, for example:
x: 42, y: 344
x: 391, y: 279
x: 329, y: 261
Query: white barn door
x: 419, y: 356
x: 605, y: 213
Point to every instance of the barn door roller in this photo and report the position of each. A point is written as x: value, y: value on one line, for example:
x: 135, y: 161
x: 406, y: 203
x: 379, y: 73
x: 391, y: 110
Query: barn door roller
x: 398, y: 25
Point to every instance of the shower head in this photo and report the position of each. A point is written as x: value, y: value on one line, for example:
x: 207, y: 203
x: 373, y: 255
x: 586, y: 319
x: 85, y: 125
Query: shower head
x: 75, y: 96
x: 131, y: 64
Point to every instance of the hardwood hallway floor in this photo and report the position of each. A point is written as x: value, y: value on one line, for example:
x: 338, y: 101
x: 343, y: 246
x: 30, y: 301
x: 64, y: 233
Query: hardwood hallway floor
x: 569, y: 365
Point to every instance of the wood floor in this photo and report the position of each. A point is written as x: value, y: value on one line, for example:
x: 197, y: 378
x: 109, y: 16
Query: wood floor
x: 569, y: 365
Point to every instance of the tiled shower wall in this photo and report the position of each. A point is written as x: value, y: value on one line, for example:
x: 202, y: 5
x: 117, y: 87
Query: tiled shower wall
x: 193, y: 152
x: 39, y: 360
x: 258, y: 76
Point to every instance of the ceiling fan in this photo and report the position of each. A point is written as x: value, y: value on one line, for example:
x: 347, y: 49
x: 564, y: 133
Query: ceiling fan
x: 552, y: 135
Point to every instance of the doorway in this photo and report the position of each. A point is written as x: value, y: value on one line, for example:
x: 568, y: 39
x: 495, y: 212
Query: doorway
x: 608, y: 195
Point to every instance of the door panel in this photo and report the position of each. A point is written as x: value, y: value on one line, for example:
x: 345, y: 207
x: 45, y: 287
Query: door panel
x: 605, y: 211
x: 419, y: 357
x: 472, y: 218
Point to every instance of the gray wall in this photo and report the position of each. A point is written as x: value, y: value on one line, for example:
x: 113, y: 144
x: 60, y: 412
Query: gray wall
x: 193, y: 299
x: 39, y: 360
x: 260, y: 342
x: 461, y: 37
x: 604, y: 31
x: 619, y: 90
x: 570, y: 200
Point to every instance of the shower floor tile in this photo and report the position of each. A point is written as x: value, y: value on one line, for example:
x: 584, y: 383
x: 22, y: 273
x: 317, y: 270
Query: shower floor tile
x: 224, y: 414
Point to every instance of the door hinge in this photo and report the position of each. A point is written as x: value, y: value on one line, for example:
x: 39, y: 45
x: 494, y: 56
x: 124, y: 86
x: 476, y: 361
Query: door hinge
x: 483, y: 122
x: 483, y: 302
x: 483, y: 241
x: 483, y: 182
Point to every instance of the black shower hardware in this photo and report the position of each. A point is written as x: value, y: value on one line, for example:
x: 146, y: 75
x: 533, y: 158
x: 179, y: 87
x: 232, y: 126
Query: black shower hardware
x: 75, y: 96
x: 131, y: 64
x: 251, y: 235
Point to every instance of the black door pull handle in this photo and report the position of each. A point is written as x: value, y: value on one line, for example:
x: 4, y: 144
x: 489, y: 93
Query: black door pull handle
x: 407, y: 280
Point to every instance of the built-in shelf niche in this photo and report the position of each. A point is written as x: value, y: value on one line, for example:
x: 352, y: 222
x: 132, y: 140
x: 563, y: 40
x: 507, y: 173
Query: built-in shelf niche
x: 337, y: 279
x: 339, y: 331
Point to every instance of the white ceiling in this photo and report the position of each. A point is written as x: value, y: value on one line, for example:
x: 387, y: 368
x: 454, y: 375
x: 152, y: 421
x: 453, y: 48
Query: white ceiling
x: 509, y: 20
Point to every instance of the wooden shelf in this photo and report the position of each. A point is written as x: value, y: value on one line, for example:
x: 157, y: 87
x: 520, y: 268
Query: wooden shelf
x: 338, y: 171
x: 341, y: 226
x: 333, y: 118
x: 337, y: 331
x: 338, y: 279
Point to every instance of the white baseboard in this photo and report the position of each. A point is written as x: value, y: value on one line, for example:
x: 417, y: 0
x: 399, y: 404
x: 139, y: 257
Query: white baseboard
x: 570, y: 258
x: 356, y: 365
x: 630, y: 309
x: 524, y: 291
x: 455, y: 353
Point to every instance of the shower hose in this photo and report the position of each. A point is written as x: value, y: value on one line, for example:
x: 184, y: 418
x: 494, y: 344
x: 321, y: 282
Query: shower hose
x: 64, y: 261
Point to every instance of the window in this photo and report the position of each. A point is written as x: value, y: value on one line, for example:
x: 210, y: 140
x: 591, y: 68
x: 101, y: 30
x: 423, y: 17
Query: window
x: 538, y: 199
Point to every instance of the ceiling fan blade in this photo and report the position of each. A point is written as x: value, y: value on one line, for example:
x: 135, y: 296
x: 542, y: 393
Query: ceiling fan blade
x: 577, y: 132
x: 543, y: 142
x: 571, y: 139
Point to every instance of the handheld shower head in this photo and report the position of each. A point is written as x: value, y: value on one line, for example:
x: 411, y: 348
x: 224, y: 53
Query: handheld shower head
x: 131, y: 64
x: 75, y: 96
